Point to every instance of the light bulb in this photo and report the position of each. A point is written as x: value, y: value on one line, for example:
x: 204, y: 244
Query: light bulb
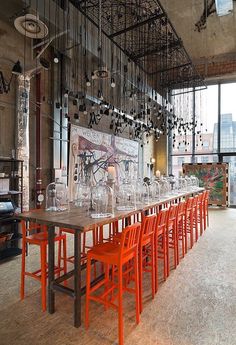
x: 88, y: 83
x: 93, y: 76
x: 56, y: 60
x: 113, y: 84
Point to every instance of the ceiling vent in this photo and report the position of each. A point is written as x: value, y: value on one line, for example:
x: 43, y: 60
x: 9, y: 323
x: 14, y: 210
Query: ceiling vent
x: 31, y: 26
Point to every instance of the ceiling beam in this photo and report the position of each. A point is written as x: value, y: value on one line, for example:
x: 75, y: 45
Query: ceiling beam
x: 137, y: 25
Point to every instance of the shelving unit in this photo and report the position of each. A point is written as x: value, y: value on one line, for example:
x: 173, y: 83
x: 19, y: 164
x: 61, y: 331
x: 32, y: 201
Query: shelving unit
x: 11, y: 189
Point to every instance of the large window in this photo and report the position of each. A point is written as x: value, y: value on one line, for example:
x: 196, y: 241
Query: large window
x: 209, y: 142
x: 228, y: 118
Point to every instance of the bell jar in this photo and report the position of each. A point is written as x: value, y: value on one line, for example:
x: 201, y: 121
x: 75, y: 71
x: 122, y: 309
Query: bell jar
x: 82, y: 195
x: 102, y: 200
x: 126, y: 196
x: 57, y: 197
x: 155, y: 190
x: 164, y: 187
x: 188, y: 183
x: 195, y: 182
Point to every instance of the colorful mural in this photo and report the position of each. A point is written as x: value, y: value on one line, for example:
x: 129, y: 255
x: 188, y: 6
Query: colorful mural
x: 212, y: 176
x: 91, y: 153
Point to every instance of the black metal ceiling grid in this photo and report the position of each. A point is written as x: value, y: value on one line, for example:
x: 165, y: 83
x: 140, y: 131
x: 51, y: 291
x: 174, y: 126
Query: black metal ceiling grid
x: 142, y: 30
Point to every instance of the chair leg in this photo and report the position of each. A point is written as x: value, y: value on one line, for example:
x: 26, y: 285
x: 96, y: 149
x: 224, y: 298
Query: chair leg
x: 87, y: 292
x: 141, y: 280
x: 22, y: 288
x: 120, y: 306
x: 137, y: 304
x: 153, y: 268
x: 43, y: 275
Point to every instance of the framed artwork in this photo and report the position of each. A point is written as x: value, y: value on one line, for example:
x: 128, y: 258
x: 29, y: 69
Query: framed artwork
x: 212, y: 176
x: 93, y: 152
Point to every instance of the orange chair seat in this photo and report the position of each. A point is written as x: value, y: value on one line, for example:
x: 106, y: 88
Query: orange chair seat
x: 40, y: 237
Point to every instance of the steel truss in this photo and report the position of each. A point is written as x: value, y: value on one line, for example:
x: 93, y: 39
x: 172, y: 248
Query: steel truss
x: 143, y: 31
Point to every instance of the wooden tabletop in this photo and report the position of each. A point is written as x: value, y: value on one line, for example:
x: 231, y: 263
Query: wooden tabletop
x: 80, y: 220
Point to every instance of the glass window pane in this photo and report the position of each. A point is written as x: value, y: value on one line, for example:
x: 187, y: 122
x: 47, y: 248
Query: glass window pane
x: 206, y: 110
x: 228, y: 118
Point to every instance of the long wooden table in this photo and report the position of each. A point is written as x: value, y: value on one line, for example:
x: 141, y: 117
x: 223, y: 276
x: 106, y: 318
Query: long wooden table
x: 78, y: 221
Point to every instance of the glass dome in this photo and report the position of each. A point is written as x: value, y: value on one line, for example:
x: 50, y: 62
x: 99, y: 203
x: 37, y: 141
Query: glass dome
x: 195, y: 182
x: 182, y: 184
x: 102, y: 200
x: 138, y: 187
x: 173, y: 185
x: 126, y: 196
x: 164, y: 187
x: 57, y: 197
x: 82, y: 195
x: 188, y: 183
x: 155, y: 190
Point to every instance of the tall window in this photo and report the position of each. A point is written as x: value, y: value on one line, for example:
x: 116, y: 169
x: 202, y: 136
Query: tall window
x: 228, y: 118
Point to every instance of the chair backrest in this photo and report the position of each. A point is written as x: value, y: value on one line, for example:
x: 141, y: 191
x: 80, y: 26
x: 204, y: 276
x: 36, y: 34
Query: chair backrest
x: 207, y: 194
x: 161, y: 222
x: 189, y: 204
x: 130, y: 239
x: 200, y: 198
x: 148, y: 226
x: 181, y: 209
x: 27, y: 227
x: 172, y: 216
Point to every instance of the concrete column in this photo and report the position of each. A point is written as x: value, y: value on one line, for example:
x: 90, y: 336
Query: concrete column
x: 22, y: 133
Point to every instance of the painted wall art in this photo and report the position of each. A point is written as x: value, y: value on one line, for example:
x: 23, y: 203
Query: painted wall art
x: 94, y: 155
x: 212, y: 176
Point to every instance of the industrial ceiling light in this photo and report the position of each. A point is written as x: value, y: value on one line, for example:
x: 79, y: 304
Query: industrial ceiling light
x: 224, y: 7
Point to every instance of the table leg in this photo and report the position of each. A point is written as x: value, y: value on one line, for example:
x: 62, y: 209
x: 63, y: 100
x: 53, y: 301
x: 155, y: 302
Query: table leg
x: 77, y: 279
x: 51, y: 264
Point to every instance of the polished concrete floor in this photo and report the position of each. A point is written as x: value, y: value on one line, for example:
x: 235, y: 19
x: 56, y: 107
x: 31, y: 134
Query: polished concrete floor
x: 195, y: 306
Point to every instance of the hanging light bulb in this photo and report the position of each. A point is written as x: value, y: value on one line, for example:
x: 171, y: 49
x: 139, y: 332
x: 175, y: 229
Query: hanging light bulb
x: 88, y: 83
x: 93, y: 76
x: 131, y: 96
x: 113, y: 84
x: 66, y: 94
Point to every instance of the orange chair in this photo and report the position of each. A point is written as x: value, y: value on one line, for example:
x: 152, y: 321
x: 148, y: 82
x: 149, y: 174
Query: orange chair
x: 171, y: 235
x: 180, y: 225
x: 39, y: 238
x: 205, y: 209
x: 161, y: 244
x: 195, y: 216
x: 200, y: 215
x: 188, y: 223
x: 118, y: 255
x: 147, y: 253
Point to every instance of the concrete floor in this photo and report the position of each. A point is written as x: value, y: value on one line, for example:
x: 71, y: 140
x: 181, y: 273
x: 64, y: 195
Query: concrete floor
x: 195, y: 306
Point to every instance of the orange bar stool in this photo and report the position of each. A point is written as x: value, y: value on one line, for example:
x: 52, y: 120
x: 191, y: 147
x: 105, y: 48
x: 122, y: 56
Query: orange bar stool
x: 171, y: 235
x: 188, y: 223
x: 180, y: 225
x: 195, y: 216
x: 205, y: 209
x: 117, y: 255
x: 200, y: 215
x: 39, y: 238
x: 161, y: 244
x: 147, y: 253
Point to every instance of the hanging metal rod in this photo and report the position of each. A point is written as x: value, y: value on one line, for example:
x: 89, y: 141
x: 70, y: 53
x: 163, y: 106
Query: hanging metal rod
x: 137, y: 25
x: 158, y: 50
x: 171, y: 68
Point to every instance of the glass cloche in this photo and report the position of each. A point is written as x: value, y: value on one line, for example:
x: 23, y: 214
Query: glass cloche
x: 195, y: 182
x: 102, y: 200
x: 57, y: 197
x: 126, y: 196
x: 164, y: 187
x: 188, y: 183
x: 155, y: 190
x: 82, y: 195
